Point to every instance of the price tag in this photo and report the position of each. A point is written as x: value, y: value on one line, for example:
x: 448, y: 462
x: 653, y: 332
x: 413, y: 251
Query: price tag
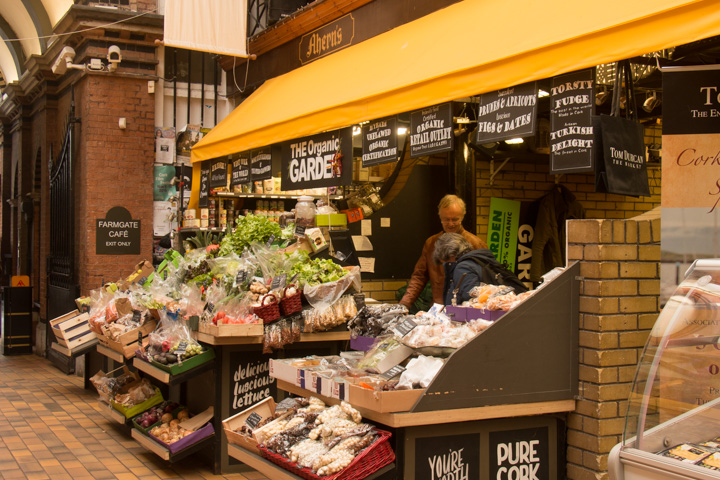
x: 393, y: 372
x: 142, y: 280
x: 242, y: 275
x: 270, y: 240
x: 405, y: 327
x: 299, y: 230
x: 182, y: 346
x: 278, y: 281
x: 359, y: 300
x: 253, y: 420
x: 209, y: 307
x: 137, y: 316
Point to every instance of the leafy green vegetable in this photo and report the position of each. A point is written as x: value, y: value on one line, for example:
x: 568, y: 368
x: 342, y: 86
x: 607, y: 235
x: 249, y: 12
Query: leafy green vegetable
x: 317, y: 271
x: 249, y: 229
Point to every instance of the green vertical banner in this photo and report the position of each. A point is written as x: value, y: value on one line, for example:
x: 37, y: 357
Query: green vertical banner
x: 503, y: 230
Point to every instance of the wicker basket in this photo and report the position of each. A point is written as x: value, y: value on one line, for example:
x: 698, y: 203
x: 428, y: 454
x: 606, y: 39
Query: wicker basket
x: 370, y: 460
x: 290, y: 304
x: 268, y: 311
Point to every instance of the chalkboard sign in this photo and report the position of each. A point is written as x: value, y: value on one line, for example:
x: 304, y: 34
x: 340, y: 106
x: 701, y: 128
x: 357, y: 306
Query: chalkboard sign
x: 240, y: 171
x: 218, y: 173
x: 379, y: 139
x: 572, y: 105
x: 251, y: 380
x: 261, y: 164
x: 451, y: 456
x: 431, y: 130
x: 323, y: 160
x: 520, y: 454
x: 204, y: 185
x: 117, y: 234
x: 508, y: 113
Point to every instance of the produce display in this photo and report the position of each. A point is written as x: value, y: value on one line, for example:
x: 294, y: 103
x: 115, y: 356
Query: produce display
x: 161, y: 412
x: 136, y: 394
x: 311, y: 435
x: 170, y: 431
x: 495, y: 297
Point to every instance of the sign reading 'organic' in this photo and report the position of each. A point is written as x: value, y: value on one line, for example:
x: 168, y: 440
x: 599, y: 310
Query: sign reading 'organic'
x: 431, y: 130
x: 379, y: 142
x: 323, y: 160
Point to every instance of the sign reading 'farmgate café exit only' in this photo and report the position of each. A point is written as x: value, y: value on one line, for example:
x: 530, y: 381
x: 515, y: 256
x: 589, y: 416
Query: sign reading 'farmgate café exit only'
x: 117, y: 234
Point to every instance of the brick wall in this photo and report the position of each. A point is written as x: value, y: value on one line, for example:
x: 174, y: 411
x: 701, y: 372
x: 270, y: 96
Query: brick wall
x: 618, y: 307
x: 115, y: 168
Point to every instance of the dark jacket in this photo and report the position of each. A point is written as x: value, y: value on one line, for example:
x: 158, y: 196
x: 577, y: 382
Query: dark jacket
x: 426, y: 269
x: 465, y: 265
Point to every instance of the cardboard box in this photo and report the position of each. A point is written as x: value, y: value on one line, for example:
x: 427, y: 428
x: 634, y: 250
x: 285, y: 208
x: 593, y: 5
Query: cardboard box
x: 466, y: 314
x: 316, y: 239
x: 263, y: 409
x: 72, y: 330
x: 383, y: 402
x: 232, y: 330
x: 142, y: 271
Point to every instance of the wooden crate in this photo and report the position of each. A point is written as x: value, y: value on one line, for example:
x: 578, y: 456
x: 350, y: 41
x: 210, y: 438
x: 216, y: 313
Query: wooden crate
x: 232, y: 330
x: 72, y: 330
x: 127, y: 343
x: 264, y: 409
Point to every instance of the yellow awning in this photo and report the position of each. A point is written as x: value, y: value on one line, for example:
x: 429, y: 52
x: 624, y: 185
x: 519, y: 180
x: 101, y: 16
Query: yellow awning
x: 468, y: 48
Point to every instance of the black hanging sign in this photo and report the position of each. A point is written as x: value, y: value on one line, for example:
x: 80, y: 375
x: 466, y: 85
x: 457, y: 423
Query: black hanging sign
x: 204, y: 185
x: 327, y: 39
x: 240, y: 171
x: 379, y: 139
x: 520, y: 454
x: 261, y: 164
x: 508, y: 113
x: 323, y: 160
x: 450, y: 456
x: 431, y: 130
x: 572, y: 105
x: 117, y: 234
x: 218, y: 173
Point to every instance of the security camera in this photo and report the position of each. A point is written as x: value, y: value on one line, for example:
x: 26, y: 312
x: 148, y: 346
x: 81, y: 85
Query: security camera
x: 114, y: 55
x: 64, y: 60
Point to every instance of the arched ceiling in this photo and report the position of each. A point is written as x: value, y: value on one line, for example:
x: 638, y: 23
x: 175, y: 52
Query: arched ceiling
x: 23, y: 24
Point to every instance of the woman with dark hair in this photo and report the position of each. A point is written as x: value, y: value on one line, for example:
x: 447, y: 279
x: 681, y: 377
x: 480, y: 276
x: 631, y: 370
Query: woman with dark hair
x: 466, y: 268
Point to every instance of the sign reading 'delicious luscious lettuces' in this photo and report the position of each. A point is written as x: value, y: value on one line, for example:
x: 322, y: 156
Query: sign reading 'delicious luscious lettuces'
x: 251, y: 380
x: 572, y: 104
x: 379, y: 142
x: 451, y: 456
x: 431, y: 130
x: 204, y: 192
x: 261, y: 164
x: 691, y: 141
x: 218, y: 173
x: 117, y: 233
x: 323, y: 160
x: 507, y: 113
x: 520, y: 454
x: 240, y: 172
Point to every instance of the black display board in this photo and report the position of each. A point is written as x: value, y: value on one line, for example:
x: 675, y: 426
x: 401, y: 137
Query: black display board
x: 218, y: 172
x: 379, y: 139
x: 117, y: 234
x: 694, y: 106
x: 261, y: 164
x: 572, y: 105
x: 520, y: 453
x: 203, y: 196
x: 240, y: 169
x: 507, y: 113
x: 323, y: 160
x: 452, y: 456
x: 413, y: 218
x: 250, y: 379
x: 431, y: 130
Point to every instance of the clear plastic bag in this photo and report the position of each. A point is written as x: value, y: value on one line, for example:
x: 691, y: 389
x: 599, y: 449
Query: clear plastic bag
x: 323, y: 295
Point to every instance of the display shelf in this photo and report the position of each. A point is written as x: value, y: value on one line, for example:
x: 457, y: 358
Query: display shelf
x: 201, y: 229
x: 162, y: 452
x: 111, y: 414
x: 276, y: 196
x: 77, y: 351
x: 276, y: 472
x: 258, y: 339
x: 167, y: 377
x: 111, y: 354
x: 413, y: 419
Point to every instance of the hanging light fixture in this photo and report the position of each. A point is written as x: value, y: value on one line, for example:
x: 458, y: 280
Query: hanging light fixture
x: 651, y: 102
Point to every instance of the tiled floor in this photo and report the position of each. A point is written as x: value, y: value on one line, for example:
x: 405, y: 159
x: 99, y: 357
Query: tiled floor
x: 51, y: 428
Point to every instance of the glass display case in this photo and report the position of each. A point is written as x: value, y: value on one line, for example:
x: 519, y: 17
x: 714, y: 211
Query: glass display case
x: 672, y: 426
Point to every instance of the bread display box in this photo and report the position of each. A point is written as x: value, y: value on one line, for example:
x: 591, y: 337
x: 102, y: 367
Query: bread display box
x: 249, y: 418
x: 187, y: 432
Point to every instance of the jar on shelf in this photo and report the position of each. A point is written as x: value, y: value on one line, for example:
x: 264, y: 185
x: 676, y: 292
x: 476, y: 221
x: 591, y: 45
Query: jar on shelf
x: 305, y: 211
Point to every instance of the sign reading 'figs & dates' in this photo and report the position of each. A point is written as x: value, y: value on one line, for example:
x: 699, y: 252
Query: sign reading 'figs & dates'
x: 508, y: 113
x: 431, y: 130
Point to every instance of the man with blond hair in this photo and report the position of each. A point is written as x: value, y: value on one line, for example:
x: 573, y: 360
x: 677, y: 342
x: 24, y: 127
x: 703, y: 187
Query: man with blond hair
x: 451, y: 210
